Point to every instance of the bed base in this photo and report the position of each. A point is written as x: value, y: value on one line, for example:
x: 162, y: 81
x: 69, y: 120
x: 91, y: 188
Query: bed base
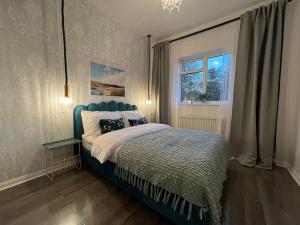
x: 106, y: 170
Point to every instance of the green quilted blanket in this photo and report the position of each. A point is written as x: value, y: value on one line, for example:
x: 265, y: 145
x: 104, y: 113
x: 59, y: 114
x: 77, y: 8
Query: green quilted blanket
x: 178, y: 164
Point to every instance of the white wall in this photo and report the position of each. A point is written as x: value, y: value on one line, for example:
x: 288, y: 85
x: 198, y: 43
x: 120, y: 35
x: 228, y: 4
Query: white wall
x: 197, y: 44
x: 224, y: 38
x: 32, y: 78
x: 288, y: 129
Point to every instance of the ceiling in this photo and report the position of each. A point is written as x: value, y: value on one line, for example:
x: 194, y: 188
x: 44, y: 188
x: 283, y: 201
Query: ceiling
x: 147, y: 16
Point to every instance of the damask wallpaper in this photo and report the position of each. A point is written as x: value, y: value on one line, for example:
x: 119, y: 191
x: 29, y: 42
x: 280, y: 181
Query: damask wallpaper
x: 32, y: 79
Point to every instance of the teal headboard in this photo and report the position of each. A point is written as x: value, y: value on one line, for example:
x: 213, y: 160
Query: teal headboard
x: 102, y: 106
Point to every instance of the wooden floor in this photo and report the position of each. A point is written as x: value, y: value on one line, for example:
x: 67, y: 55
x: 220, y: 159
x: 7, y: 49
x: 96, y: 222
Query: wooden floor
x: 251, y: 197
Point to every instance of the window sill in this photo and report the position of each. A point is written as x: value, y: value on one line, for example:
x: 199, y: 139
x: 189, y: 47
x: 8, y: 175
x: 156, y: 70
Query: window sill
x: 205, y: 103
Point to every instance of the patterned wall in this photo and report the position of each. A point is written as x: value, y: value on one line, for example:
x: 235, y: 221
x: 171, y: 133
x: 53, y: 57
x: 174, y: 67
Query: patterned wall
x: 32, y: 79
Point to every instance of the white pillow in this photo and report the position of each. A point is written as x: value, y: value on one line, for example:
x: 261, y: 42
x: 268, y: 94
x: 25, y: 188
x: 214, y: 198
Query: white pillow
x: 131, y: 115
x: 90, y: 120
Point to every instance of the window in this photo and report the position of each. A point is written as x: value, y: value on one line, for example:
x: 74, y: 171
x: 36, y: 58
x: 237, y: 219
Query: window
x: 205, y: 79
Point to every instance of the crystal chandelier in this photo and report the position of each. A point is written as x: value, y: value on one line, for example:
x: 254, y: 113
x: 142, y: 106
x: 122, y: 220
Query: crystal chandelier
x: 171, y: 4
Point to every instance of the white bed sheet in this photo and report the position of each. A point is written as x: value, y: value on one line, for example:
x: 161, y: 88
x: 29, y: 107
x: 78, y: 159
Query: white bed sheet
x: 106, y: 146
x: 87, y: 143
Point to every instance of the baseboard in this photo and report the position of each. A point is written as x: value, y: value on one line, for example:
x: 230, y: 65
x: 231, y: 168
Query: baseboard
x: 19, y: 180
x: 295, y: 175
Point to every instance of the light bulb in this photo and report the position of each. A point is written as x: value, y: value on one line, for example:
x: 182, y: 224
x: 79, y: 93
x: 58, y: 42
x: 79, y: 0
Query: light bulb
x: 66, y: 100
x: 148, y: 102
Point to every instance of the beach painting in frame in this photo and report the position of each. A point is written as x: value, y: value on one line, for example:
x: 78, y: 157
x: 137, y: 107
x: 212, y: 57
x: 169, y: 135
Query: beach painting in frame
x: 106, y: 80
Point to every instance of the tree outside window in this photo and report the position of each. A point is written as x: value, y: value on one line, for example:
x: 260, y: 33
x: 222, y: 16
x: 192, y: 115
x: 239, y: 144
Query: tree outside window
x: 208, y: 76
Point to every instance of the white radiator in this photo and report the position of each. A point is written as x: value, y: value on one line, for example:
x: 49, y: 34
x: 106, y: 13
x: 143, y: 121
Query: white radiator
x: 204, y: 123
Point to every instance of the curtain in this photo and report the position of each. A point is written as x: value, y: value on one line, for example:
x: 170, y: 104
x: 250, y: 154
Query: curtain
x: 160, y: 83
x: 256, y: 90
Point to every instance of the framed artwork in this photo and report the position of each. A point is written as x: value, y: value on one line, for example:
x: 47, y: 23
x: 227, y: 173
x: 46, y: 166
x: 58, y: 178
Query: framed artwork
x: 106, y: 80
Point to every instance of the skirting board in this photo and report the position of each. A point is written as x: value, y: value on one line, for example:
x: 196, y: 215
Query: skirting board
x: 19, y: 180
x: 294, y: 173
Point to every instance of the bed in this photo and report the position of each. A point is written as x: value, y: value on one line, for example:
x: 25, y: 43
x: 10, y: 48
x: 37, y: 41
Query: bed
x: 155, y: 193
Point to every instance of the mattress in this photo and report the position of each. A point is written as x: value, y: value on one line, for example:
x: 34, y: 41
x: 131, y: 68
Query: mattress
x: 87, y: 143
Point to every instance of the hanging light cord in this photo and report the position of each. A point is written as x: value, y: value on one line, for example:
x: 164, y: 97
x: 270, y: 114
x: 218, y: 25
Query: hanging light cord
x: 149, y: 58
x: 64, y: 40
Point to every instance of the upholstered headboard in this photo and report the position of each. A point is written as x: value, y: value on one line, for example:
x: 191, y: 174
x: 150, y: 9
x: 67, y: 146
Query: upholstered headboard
x: 102, y: 106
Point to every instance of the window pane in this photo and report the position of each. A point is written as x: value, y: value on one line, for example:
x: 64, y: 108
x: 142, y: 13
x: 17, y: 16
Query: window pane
x: 218, y: 68
x: 191, y: 87
x: 192, y: 65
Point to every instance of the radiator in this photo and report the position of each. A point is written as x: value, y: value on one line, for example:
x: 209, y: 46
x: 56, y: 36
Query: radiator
x: 203, y: 123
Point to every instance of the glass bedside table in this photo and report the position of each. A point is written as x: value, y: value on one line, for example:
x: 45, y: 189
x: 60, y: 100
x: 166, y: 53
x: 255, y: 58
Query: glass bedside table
x: 64, y: 163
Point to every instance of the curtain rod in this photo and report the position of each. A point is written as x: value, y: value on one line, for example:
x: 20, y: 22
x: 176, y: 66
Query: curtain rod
x: 208, y: 28
x: 205, y: 29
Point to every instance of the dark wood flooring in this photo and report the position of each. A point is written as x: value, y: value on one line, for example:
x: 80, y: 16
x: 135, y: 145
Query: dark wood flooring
x: 251, y: 197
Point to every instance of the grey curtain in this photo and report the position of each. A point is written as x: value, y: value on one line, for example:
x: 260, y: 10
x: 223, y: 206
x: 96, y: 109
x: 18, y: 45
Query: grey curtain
x: 160, y: 83
x: 256, y: 88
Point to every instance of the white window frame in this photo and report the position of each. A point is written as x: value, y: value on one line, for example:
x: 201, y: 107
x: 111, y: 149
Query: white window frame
x: 204, y: 58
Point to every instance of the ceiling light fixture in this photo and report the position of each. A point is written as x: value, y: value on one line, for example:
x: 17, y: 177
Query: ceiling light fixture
x: 171, y: 4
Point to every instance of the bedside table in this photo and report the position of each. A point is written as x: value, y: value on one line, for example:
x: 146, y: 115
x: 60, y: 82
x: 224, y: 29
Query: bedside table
x: 66, y: 163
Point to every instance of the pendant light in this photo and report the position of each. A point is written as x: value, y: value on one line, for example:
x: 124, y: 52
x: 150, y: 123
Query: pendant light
x: 149, y: 102
x: 66, y: 100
